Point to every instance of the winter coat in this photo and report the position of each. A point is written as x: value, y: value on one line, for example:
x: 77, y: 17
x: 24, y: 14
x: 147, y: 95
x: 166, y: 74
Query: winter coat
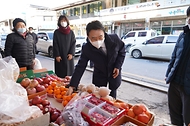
x: 22, y: 49
x: 174, y: 62
x: 103, y: 64
x: 63, y: 44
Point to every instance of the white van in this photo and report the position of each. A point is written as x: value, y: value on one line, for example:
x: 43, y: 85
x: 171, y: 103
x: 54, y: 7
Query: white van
x: 140, y: 36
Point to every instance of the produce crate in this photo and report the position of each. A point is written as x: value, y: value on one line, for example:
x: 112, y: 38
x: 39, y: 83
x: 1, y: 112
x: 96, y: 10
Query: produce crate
x: 33, y: 73
x: 40, y: 121
x: 91, y: 110
x: 125, y: 119
x: 25, y: 74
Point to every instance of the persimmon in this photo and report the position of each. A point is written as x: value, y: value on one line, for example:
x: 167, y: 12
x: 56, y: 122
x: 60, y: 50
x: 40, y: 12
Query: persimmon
x: 131, y: 113
x: 138, y: 109
x: 148, y: 114
x: 117, y: 104
x: 64, y: 103
x: 143, y: 118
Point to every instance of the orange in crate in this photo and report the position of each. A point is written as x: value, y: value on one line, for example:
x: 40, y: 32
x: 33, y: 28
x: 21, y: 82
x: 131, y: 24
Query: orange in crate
x: 64, y: 103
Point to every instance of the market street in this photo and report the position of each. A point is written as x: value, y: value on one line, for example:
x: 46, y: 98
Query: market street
x: 131, y: 93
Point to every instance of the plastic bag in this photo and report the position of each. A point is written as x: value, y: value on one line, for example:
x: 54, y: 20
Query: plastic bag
x: 10, y: 69
x: 14, y: 105
x: 71, y: 115
x: 37, y: 64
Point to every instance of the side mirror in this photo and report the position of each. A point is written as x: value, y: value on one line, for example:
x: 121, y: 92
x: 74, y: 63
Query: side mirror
x: 144, y: 43
x: 45, y: 38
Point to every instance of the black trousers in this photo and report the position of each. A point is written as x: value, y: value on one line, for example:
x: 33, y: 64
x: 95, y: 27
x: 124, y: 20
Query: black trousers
x: 179, y: 105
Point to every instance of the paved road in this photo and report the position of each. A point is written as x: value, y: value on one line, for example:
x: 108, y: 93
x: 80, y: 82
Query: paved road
x: 131, y: 93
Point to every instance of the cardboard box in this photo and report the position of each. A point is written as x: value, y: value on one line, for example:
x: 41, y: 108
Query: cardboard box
x: 40, y: 121
x: 125, y: 119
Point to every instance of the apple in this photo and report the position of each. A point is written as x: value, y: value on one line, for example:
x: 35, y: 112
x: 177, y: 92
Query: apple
x: 36, y: 100
x: 40, y: 88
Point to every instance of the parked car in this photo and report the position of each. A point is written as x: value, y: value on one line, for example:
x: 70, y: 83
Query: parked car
x: 139, y: 36
x: 160, y: 47
x: 2, y: 42
x: 45, y: 42
x: 80, y: 40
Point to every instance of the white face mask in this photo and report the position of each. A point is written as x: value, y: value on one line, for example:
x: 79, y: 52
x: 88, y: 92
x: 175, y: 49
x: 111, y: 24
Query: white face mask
x: 97, y: 44
x: 21, y: 30
x: 64, y: 24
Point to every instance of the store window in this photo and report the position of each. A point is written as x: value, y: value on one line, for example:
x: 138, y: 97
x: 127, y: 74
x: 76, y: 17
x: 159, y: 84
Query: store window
x: 99, y: 6
x: 71, y: 11
x: 138, y: 26
x: 96, y: 7
x: 136, y: 1
x: 91, y: 8
x: 84, y: 9
x: 77, y: 11
x: 124, y: 3
x: 47, y: 18
x: 179, y: 22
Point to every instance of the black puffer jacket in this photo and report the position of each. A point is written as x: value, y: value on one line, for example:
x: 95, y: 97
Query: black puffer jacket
x: 22, y: 49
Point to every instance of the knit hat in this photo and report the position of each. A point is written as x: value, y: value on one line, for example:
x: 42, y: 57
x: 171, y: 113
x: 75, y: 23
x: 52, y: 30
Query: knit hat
x: 16, y: 20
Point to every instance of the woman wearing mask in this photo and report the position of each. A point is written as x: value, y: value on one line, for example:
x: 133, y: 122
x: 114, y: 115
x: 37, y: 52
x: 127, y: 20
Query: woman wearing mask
x: 64, y: 48
x: 20, y: 45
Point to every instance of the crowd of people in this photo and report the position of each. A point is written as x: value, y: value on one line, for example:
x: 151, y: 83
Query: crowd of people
x: 106, y: 52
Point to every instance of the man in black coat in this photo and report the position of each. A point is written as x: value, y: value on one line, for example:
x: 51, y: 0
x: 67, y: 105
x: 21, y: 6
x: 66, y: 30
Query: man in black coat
x: 107, y: 52
x: 34, y: 35
x: 20, y: 45
x: 178, y: 76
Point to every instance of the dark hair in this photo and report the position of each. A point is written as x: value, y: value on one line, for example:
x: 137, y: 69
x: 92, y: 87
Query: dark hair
x: 94, y: 25
x: 61, y: 18
x: 188, y: 11
x: 30, y: 28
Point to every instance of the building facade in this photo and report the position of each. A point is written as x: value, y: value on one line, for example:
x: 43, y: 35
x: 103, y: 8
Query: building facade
x: 122, y: 16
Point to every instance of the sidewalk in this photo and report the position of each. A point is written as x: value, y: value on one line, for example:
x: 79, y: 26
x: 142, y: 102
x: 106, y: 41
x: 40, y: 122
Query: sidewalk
x: 134, y: 93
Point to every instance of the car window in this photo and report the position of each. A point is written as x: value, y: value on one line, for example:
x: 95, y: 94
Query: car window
x: 50, y: 35
x: 172, y: 39
x: 41, y: 35
x: 153, y: 34
x: 142, y: 34
x: 131, y: 34
x: 156, y: 40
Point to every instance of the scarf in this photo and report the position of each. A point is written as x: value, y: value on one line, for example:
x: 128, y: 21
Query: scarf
x: 65, y: 30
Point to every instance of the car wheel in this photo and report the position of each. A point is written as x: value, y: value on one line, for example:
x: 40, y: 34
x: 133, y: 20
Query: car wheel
x: 127, y: 48
x: 50, y: 52
x: 136, y: 54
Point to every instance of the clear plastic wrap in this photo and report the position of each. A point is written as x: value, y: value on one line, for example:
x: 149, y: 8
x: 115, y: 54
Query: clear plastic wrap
x: 71, y: 115
x: 14, y: 105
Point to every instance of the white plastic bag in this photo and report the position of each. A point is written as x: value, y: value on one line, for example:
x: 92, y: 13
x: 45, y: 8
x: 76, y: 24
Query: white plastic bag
x: 9, y: 68
x: 37, y: 64
x: 14, y: 105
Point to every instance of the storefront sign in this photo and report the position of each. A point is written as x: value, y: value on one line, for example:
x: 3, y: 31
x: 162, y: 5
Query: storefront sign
x: 130, y: 8
x: 177, y: 12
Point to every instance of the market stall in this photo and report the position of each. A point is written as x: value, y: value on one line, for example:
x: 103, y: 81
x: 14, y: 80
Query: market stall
x: 45, y: 96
